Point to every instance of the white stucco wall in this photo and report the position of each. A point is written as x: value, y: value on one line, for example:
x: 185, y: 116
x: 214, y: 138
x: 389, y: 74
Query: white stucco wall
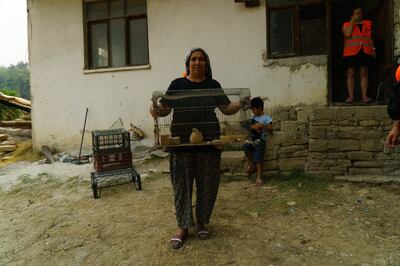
x: 234, y: 37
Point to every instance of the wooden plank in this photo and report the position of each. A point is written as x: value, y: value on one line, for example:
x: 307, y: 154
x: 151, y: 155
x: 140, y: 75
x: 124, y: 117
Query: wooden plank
x: 17, y: 102
x: 16, y: 124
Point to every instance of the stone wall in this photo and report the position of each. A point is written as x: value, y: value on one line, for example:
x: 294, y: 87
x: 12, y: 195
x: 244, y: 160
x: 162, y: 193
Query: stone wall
x: 396, y: 9
x: 329, y: 141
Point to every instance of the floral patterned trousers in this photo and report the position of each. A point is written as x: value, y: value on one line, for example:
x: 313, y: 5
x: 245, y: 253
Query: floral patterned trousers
x: 203, y: 168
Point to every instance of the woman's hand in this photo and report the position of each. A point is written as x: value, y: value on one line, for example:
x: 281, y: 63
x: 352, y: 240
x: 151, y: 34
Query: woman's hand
x: 245, y: 103
x: 158, y: 110
x: 374, y: 52
x: 392, y: 139
x: 154, y: 111
x: 353, y: 19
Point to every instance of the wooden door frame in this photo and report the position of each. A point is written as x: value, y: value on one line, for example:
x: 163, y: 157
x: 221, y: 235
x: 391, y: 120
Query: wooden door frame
x: 389, y: 40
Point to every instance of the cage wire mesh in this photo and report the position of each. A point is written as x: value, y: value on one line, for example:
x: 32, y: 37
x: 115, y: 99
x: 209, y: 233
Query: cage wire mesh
x: 200, y: 112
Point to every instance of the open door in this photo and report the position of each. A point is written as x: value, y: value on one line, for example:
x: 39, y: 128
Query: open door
x: 380, y: 12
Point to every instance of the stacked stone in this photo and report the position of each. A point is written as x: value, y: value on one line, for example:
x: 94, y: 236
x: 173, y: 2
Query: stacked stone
x: 287, y: 147
x: 396, y: 27
x: 349, y: 140
x: 330, y: 141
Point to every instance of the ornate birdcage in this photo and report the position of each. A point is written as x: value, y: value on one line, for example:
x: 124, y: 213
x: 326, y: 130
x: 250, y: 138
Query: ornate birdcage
x: 200, y: 117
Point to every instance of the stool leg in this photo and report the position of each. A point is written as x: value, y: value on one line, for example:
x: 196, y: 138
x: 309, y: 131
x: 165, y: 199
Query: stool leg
x: 138, y: 183
x: 96, y: 193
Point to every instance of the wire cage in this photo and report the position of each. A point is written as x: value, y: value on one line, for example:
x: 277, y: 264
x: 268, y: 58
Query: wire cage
x: 198, y: 117
x: 112, y: 140
x: 112, y: 160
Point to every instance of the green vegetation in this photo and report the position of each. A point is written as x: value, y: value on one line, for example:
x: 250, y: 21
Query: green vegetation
x: 301, y: 181
x: 16, y: 78
x: 14, y: 81
x: 304, y: 189
x: 7, y: 112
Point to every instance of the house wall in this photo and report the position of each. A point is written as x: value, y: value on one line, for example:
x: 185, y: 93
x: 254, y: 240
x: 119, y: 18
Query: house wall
x: 234, y: 37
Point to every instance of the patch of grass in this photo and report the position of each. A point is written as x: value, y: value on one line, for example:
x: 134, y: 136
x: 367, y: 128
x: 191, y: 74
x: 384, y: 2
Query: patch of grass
x: 300, y: 181
x: 302, y: 188
x: 228, y: 177
x: 22, y: 153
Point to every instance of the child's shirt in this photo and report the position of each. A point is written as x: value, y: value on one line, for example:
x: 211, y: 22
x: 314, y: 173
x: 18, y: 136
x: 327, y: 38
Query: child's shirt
x: 262, y: 119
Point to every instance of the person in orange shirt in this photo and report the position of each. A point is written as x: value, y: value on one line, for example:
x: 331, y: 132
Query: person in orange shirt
x: 392, y: 139
x: 358, y: 52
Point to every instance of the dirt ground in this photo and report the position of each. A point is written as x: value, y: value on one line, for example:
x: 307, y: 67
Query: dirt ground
x: 49, y: 217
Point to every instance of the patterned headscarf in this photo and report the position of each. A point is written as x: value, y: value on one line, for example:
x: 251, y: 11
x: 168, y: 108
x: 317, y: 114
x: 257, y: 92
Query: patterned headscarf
x: 187, y: 61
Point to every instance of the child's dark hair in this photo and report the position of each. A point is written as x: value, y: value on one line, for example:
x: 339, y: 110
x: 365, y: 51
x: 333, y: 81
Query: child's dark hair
x: 257, y: 102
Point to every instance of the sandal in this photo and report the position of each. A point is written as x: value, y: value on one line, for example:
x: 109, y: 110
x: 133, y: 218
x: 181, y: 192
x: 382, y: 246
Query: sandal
x: 176, y: 241
x: 259, y: 183
x: 203, y: 234
x: 366, y: 99
x: 349, y: 99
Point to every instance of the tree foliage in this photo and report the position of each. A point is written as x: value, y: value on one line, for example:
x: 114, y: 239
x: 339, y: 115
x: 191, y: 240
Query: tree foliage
x: 14, y: 81
x: 16, y: 78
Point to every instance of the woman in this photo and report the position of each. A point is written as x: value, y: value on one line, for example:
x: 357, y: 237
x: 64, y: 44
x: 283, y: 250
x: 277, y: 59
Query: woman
x: 201, y: 163
x: 358, y: 52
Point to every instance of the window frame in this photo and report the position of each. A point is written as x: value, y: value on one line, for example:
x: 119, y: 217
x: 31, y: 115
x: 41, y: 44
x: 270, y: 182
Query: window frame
x: 87, y: 23
x: 296, y: 38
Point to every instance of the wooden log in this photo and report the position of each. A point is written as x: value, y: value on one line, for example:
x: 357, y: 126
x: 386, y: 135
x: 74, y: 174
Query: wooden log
x: 8, y: 148
x: 17, y: 102
x: 3, y: 137
x: 16, y: 124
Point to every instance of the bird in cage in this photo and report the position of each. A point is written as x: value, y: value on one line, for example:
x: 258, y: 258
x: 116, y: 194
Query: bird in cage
x: 196, y: 137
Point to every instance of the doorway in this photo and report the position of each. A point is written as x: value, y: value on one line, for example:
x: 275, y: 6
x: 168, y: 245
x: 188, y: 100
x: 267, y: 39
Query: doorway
x: 380, y: 12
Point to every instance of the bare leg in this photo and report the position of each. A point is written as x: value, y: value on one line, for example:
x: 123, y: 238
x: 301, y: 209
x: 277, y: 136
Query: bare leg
x: 249, y: 158
x: 181, y: 231
x: 364, y: 80
x: 259, y: 180
x: 350, y: 81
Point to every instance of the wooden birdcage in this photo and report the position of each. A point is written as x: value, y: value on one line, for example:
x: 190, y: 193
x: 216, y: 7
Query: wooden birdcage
x: 196, y: 117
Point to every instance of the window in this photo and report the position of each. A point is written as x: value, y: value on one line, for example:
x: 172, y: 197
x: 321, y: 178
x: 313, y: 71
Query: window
x: 115, y: 33
x: 296, y: 27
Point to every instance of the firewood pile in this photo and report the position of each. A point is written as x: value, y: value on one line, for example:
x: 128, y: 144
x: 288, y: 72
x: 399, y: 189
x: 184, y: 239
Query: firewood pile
x: 12, y: 133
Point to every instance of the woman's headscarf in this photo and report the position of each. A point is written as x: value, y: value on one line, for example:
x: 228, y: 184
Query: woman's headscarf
x: 187, y: 61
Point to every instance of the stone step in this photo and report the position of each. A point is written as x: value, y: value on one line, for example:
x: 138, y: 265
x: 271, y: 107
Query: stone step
x: 232, y: 161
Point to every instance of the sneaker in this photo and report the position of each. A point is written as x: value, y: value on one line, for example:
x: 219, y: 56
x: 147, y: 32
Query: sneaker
x: 366, y: 99
x: 349, y: 99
